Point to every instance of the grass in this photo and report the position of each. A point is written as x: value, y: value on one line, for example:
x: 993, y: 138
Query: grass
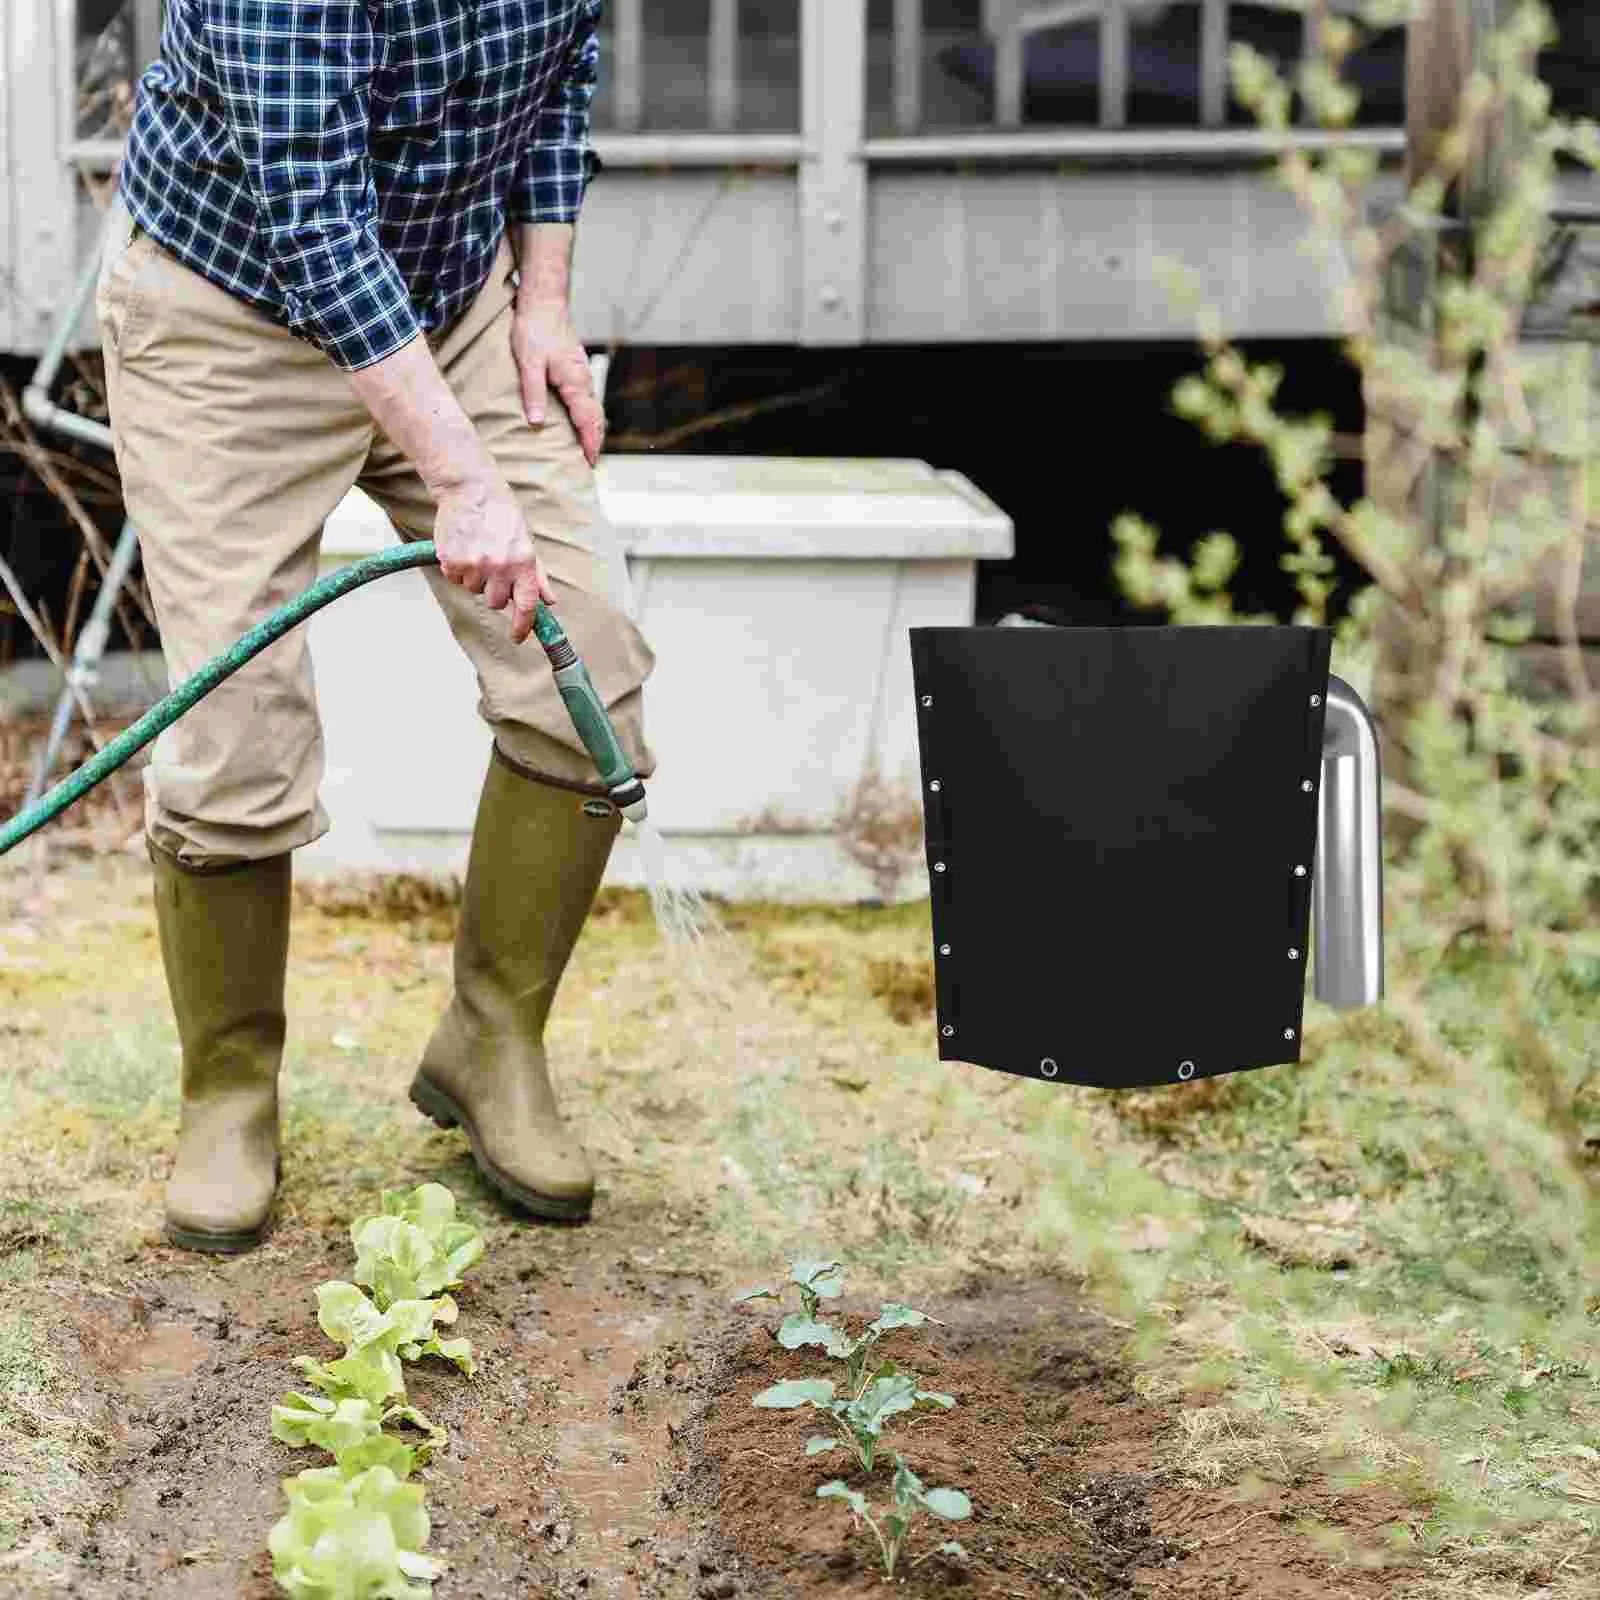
x: 1319, y: 1267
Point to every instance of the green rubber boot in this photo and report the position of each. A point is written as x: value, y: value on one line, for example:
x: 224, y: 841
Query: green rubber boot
x: 225, y: 946
x: 538, y: 854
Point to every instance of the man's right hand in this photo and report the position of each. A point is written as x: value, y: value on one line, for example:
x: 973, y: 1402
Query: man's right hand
x: 479, y: 530
x: 484, y: 545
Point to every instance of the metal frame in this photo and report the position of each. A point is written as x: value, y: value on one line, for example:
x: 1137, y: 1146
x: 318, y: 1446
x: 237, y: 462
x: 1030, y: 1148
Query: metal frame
x: 1347, y: 889
x: 83, y: 671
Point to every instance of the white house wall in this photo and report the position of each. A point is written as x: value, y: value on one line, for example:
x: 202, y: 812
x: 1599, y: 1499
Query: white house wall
x: 40, y: 248
x: 8, y: 189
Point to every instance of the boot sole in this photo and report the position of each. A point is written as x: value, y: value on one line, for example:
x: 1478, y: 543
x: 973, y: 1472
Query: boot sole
x: 216, y: 1244
x: 435, y: 1104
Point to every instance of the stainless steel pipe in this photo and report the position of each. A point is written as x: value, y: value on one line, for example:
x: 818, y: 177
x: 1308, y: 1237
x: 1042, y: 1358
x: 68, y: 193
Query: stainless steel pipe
x: 1347, y: 890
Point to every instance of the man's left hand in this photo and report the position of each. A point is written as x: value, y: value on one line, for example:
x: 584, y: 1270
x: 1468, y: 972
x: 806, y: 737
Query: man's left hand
x: 550, y: 355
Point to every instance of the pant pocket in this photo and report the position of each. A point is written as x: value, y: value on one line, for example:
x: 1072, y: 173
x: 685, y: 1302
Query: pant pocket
x: 119, y: 293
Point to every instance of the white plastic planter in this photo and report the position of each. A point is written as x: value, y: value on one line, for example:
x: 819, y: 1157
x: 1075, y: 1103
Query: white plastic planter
x: 776, y: 593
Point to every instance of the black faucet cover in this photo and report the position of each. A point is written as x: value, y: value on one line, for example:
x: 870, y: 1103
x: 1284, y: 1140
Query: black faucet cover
x: 1121, y: 828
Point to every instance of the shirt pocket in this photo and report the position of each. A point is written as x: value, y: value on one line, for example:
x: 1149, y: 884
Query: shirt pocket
x: 427, y: 54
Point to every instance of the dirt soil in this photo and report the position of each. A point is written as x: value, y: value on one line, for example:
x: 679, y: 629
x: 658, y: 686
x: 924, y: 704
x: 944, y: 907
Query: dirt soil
x: 608, y: 1447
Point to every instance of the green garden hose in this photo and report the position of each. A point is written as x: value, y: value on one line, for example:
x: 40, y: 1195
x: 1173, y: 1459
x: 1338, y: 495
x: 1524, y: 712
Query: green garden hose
x: 584, y: 705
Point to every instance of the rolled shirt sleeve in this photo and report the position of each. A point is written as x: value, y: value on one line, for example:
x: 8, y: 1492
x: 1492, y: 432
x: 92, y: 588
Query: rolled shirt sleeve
x: 559, y: 161
x: 296, y: 82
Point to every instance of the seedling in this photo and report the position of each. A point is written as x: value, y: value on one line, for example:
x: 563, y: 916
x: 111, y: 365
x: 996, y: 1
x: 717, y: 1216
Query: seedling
x: 817, y: 1281
x: 857, y: 1419
x: 911, y: 1496
x: 824, y: 1280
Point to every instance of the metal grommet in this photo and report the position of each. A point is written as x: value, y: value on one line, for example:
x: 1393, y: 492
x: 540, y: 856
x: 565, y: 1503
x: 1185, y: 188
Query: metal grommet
x: 938, y: 866
x: 1299, y: 872
x: 927, y: 699
x: 1186, y: 1069
x: 1294, y: 955
x: 1288, y: 1033
x: 1307, y: 786
x: 944, y: 949
x: 1316, y: 700
x: 947, y: 1030
x: 1048, y: 1067
x: 936, y: 786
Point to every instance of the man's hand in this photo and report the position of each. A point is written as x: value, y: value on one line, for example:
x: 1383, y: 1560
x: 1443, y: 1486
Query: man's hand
x: 484, y: 545
x: 479, y: 530
x: 551, y: 356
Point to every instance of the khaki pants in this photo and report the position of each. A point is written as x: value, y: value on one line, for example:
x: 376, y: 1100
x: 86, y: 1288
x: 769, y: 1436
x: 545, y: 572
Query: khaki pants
x: 235, y: 441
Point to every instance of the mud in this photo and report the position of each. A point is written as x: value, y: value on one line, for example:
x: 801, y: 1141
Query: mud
x: 608, y: 1448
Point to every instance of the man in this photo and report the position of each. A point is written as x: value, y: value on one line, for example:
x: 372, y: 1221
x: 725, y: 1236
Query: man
x: 345, y: 259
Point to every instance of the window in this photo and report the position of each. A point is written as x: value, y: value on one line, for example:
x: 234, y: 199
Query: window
x: 961, y: 62
x: 693, y: 66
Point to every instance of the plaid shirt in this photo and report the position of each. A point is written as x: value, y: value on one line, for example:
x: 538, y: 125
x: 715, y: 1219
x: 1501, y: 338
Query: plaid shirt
x: 350, y: 168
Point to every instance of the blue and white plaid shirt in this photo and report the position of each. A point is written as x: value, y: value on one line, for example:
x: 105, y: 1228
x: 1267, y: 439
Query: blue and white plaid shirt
x: 349, y: 166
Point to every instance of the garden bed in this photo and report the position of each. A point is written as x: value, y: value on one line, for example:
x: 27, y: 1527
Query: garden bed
x: 609, y: 1447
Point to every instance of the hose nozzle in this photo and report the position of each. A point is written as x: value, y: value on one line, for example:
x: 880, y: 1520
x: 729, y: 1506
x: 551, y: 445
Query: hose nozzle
x: 589, y: 717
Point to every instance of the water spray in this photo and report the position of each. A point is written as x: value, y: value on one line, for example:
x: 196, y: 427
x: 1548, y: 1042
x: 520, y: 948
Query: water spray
x: 583, y: 703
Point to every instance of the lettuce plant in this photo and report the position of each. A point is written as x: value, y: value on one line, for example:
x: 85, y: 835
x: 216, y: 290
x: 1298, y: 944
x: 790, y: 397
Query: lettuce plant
x: 911, y: 1497
x: 858, y: 1420
x: 351, y: 1430
x: 355, y: 1530
x: 352, y: 1537
x: 377, y: 1341
x: 415, y: 1248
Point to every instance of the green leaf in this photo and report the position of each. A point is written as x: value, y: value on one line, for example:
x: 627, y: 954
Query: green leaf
x: 794, y: 1392
x: 819, y: 1444
x: 898, y: 1316
x: 796, y: 1330
x: 458, y: 1351
x: 381, y: 1450
x: 951, y: 1547
x: 330, y: 1425
x: 756, y: 1294
x: 295, y: 1413
x: 907, y: 1485
x: 951, y: 1504
x: 879, y: 1401
x: 346, y: 1315
x: 838, y: 1489
x: 371, y: 1374
x: 379, y: 1490
x: 931, y: 1397
x: 824, y: 1278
